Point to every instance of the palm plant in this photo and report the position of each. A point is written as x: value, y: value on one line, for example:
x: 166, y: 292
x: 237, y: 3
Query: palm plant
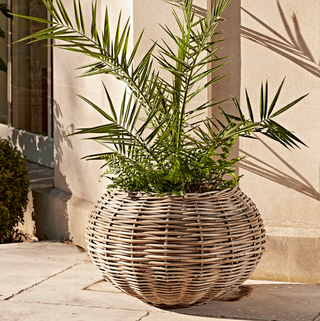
x: 171, y: 151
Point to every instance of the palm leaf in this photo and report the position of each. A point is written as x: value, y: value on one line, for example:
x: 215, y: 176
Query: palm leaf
x: 266, y: 125
x: 167, y: 141
x: 283, y: 109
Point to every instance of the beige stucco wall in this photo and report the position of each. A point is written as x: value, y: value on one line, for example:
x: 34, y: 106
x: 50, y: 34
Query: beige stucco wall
x: 288, y: 191
x: 80, y: 177
x: 77, y: 186
x: 265, y: 41
x: 280, y: 39
x: 149, y: 19
x: 73, y: 175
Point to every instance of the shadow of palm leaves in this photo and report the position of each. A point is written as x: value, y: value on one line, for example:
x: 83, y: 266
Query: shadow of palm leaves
x: 263, y: 169
x: 294, y: 47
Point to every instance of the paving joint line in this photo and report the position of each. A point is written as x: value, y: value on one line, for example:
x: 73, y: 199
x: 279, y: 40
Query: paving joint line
x: 89, y: 306
x: 35, y: 284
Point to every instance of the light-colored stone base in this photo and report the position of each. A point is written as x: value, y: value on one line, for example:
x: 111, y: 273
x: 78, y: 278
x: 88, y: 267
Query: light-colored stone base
x: 57, y: 215
x: 291, y: 255
x: 54, y: 214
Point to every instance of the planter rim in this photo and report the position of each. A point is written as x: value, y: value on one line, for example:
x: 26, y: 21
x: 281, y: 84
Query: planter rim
x: 152, y: 195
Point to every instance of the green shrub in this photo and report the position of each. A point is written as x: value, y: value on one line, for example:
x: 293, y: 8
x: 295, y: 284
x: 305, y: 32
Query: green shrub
x: 14, y: 184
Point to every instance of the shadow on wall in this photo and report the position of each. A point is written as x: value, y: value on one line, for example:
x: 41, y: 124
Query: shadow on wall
x: 50, y: 204
x: 294, y: 47
x: 37, y: 148
x: 54, y: 224
x: 231, y: 49
x: 263, y: 169
x: 60, y: 135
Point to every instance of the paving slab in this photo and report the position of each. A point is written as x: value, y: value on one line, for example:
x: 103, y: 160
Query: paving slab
x: 72, y: 287
x: 15, y: 311
x: 22, y: 265
x: 53, y: 281
x: 47, y: 251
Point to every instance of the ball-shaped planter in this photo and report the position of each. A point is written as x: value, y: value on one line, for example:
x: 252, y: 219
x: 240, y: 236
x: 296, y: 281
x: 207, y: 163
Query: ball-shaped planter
x: 169, y: 251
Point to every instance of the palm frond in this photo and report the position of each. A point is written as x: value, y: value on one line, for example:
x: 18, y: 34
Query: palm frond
x: 266, y: 125
x: 170, y: 149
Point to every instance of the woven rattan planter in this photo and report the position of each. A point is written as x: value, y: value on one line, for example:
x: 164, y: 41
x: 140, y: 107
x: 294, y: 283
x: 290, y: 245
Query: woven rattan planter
x: 169, y: 251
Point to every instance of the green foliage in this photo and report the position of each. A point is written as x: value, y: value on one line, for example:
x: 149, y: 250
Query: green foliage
x: 171, y: 151
x: 194, y: 172
x: 13, y: 188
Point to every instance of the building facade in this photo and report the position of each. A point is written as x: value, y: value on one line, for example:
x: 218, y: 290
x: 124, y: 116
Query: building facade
x: 269, y: 40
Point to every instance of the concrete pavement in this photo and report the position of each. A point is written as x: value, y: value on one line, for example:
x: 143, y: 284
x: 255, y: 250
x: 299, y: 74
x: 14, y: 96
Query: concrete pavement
x: 54, y: 282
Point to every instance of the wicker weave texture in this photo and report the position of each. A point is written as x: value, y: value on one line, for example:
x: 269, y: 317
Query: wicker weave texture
x: 169, y: 251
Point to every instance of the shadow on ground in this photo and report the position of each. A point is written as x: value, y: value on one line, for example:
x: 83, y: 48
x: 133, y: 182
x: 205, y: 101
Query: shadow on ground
x: 269, y: 302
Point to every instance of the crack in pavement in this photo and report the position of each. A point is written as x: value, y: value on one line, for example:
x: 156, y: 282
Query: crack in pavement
x: 34, y: 285
x: 317, y: 317
x: 144, y: 316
